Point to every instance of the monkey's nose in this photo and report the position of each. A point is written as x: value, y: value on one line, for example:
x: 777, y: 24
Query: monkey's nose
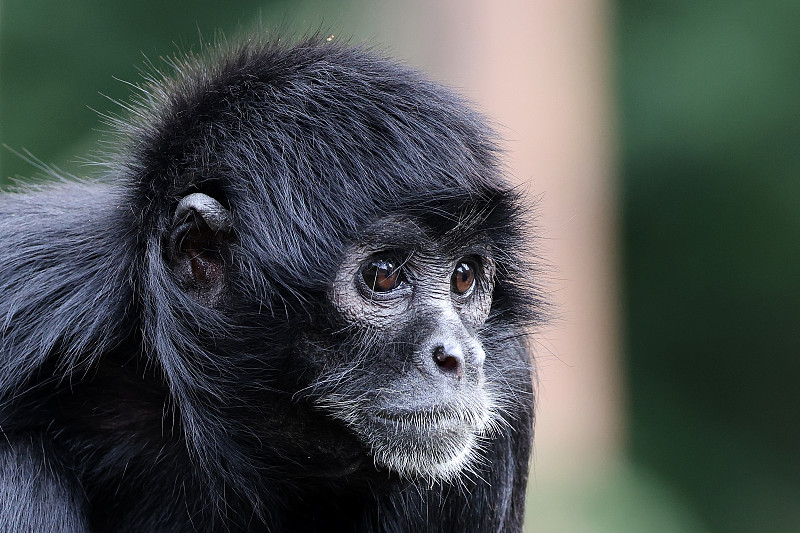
x: 450, y: 360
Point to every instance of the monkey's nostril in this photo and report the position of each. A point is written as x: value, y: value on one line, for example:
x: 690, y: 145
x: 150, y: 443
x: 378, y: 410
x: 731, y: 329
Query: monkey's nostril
x: 448, y: 363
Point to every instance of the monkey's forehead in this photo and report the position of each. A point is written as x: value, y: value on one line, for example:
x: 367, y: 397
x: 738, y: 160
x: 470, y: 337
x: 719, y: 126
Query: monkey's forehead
x: 421, y: 236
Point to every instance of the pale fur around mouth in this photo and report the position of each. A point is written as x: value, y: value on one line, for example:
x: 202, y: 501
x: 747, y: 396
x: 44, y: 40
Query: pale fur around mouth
x: 433, y: 445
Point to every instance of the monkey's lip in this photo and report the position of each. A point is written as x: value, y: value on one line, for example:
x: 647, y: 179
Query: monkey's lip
x: 440, y: 419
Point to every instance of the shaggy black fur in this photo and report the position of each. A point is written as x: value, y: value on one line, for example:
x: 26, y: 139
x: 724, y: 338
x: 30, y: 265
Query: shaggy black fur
x: 128, y: 403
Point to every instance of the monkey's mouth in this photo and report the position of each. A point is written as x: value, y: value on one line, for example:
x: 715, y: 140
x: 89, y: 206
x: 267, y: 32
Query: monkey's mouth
x: 432, y: 420
x: 432, y: 442
x: 427, y: 428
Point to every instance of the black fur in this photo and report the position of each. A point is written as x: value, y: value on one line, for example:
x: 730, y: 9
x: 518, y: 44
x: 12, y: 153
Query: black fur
x: 127, y: 404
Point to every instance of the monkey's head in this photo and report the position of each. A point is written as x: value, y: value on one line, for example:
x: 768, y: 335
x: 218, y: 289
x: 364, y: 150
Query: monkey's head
x: 343, y: 257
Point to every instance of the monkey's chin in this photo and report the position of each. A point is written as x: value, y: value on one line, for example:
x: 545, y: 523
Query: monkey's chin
x: 421, y: 449
x: 424, y: 443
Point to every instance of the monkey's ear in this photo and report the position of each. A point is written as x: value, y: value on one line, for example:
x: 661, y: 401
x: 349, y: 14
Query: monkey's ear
x: 201, y: 227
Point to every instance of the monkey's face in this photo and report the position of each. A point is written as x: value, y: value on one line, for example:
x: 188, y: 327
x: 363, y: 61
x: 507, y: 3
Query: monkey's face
x: 406, y: 374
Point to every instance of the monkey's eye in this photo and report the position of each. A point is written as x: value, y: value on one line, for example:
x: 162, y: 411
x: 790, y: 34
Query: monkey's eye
x: 383, y: 275
x: 463, y: 277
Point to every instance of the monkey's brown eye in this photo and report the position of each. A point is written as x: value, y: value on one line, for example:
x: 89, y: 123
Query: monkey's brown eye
x: 383, y: 275
x: 463, y: 277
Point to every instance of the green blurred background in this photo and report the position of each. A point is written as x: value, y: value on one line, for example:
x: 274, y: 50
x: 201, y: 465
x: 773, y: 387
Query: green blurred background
x: 708, y: 122
x: 709, y: 94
